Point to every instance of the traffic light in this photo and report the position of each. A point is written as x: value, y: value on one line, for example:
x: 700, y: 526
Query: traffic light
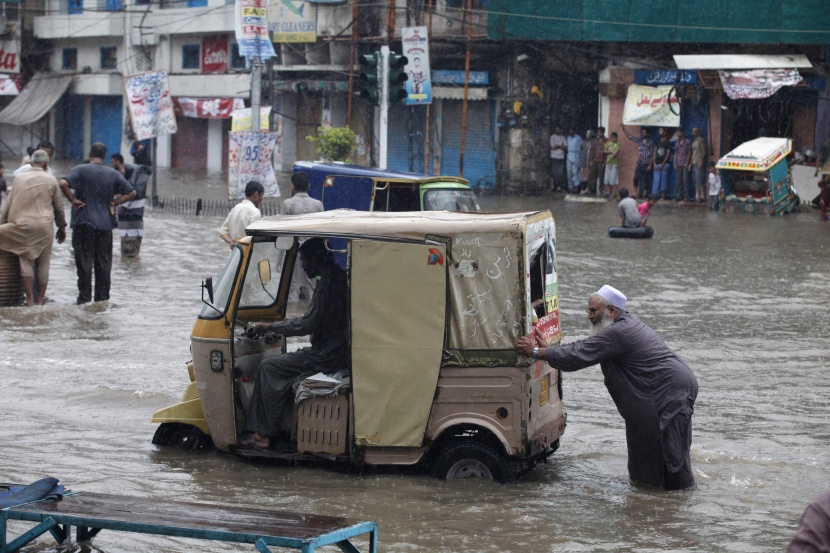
x: 368, y: 80
x: 397, y: 92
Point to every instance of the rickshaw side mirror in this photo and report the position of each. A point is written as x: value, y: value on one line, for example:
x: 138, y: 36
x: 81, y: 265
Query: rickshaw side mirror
x: 207, y: 285
x: 265, y: 271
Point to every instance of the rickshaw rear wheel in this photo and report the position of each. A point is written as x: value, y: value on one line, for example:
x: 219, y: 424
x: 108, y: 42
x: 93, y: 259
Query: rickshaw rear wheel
x: 186, y: 436
x: 470, y: 459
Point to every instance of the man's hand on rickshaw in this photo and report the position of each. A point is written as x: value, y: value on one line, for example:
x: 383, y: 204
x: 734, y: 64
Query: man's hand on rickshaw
x: 525, y: 346
x: 257, y: 330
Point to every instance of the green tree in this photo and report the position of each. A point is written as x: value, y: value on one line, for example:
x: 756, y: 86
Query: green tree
x: 334, y: 143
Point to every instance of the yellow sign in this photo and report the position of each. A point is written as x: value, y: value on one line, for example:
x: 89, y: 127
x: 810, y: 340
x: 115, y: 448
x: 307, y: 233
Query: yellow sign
x: 241, y: 119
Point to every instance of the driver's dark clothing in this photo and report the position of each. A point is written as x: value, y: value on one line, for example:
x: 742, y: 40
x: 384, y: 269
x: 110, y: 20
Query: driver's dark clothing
x: 654, y: 391
x: 276, y: 378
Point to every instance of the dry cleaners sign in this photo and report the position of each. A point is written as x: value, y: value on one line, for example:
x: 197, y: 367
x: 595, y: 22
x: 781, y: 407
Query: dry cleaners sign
x: 292, y: 21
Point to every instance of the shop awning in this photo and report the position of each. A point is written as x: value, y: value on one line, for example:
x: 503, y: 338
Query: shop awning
x: 36, y: 99
x: 740, y: 61
x: 457, y: 93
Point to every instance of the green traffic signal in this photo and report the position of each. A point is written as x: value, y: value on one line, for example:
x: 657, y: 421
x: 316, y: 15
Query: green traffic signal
x: 368, y: 80
x: 397, y: 77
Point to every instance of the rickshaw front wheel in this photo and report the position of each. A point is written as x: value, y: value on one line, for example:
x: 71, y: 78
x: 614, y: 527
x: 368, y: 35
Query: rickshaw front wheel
x: 470, y: 459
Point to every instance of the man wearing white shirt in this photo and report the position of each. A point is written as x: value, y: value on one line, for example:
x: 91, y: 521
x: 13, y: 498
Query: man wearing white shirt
x: 243, y: 214
x: 44, y: 146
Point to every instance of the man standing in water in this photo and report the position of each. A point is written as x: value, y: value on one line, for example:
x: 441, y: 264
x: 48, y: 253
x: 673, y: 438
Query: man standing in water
x: 243, y: 214
x: 653, y: 389
x: 90, y: 188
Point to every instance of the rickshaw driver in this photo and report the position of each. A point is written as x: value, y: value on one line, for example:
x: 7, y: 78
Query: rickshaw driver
x: 272, y: 401
x: 654, y: 390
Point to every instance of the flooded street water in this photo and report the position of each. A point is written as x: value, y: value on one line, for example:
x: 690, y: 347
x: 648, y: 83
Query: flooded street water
x: 743, y: 299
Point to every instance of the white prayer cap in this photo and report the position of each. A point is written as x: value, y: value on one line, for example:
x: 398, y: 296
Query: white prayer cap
x: 612, y: 296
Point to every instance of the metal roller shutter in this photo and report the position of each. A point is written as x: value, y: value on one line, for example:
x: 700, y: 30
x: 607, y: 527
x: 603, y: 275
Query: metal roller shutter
x: 479, y: 147
x: 190, y: 143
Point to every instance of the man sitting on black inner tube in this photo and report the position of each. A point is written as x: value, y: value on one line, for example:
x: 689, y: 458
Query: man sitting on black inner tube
x: 629, y: 214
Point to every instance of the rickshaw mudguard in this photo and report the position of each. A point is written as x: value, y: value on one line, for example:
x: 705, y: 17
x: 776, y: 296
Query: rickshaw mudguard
x: 186, y: 412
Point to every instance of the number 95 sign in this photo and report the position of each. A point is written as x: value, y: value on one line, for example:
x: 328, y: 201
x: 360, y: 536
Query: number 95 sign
x: 249, y: 158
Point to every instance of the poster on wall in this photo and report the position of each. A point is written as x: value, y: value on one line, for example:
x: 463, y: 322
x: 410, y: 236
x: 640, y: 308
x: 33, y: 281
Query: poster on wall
x: 215, y: 54
x: 252, y: 29
x: 416, y: 49
x: 150, y: 105
x: 757, y: 83
x: 249, y: 158
x: 649, y: 106
x: 292, y: 21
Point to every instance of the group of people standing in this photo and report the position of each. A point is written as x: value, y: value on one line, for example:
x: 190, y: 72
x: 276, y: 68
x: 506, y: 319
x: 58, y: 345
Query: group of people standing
x: 584, y: 165
x: 655, y: 160
x: 34, y: 207
x: 591, y: 164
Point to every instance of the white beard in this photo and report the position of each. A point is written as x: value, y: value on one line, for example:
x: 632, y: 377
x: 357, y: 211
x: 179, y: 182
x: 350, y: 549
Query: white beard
x: 604, y: 322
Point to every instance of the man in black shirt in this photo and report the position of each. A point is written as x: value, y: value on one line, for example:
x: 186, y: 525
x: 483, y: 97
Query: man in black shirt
x: 94, y: 190
x: 662, y: 165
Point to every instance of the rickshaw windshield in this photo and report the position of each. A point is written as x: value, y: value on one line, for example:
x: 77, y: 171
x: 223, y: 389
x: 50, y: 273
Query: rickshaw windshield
x: 222, y: 287
x: 451, y: 200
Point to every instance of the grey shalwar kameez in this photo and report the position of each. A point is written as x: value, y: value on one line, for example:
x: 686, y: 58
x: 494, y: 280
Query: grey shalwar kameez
x: 654, y: 391
x: 326, y: 321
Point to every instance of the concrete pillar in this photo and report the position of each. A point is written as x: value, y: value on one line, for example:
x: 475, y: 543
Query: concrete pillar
x: 214, y: 145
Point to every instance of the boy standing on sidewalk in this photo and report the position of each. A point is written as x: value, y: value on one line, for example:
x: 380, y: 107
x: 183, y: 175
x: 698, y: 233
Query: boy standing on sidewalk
x: 714, y: 186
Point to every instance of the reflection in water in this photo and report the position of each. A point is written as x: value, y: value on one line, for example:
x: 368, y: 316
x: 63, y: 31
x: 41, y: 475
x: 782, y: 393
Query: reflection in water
x: 741, y: 298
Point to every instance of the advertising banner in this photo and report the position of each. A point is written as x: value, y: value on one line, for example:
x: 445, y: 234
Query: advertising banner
x: 9, y: 85
x: 416, y: 49
x: 252, y: 29
x: 249, y: 158
x: 10, y: 55
x: 292, y: 21
x: 150, y: 105
x: 207, y: 108
x: 757, y: 83
x: 215, y: 54
x: 649, y: 106
x: 242, y: 119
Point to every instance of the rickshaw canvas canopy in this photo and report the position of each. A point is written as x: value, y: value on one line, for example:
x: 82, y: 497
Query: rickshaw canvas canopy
x: 397, y: 339
x: 760, y: 154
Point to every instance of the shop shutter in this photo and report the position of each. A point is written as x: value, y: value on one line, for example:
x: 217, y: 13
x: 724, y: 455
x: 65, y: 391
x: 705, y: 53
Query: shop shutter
x: 190, y: 143
x: 74, y: 127
x: 479, y: 148
x: 106, y: 124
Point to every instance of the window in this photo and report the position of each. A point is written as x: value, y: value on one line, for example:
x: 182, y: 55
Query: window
x: 237, y: 61
x: 142, y: 2
x: 114, y: 5
x: 70, y: 59
x: 196, y: 3
x: 191, y: 56
x: 76, y: 6
x: 109, y: 58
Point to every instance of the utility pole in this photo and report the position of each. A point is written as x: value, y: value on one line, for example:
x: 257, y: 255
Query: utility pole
x: 384, y: 105
x: 256, y: 92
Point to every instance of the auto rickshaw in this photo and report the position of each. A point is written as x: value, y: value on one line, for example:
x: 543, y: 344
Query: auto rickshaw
x: 345, y: 186
x: 756, y: 178
x: 437, y: 302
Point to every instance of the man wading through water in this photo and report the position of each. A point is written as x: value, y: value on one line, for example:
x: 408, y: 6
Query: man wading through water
x: 653, y: 388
